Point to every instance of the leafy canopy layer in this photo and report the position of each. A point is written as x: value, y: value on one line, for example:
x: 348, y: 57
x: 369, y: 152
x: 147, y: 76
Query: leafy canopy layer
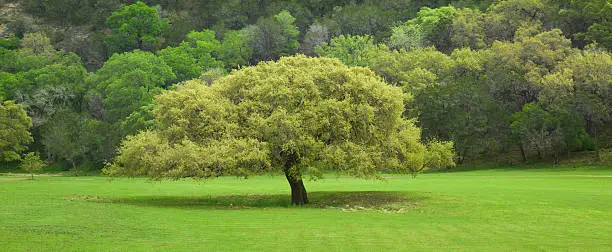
x: 295, y: 115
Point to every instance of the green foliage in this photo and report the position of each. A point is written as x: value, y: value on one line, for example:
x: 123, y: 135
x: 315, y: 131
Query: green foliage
x: 212, y: 75
x: 11, y: 43
x: 204, y: 46
x: 601, y: 34
x: 184, y: 65
x: 518, y: 12
x: 42, y: 77
x: 289, y: 33
x: 351, y: 50
x: 430, y: 27
x: 135, y: 26
x: 316, y: 35
x: 8, y: 83
x: 14, y: 130
x: 273, y: 37
x: 296, y: 115
x: 589, y: 72
x: 36, y: 43
x: 31, y: 163
x: 468, y: 29
x: 202, y: 51
x: 467, y: 71
x: 413, y: 70
x: 51, y: 88
x: 440, y: 155
x: 150, y: 154
x: 141, y: 119
x: 72, y: 137
x: 538, y: 129
x: 7, y: 60
x: 234, y: 50
x: 80, y: 26
x: 375, y: 18
x: 587, y: 21
x: 128, y: 81
x: 74, y: 12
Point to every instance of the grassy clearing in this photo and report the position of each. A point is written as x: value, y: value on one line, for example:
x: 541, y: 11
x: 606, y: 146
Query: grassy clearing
x: 484, y: 210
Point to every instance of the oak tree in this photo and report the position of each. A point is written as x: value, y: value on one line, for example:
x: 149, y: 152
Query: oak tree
x: 296, y: 116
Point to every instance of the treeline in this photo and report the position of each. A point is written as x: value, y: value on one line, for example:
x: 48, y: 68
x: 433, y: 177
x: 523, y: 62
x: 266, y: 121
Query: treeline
x: 527, y: 77
x: 82, y: 26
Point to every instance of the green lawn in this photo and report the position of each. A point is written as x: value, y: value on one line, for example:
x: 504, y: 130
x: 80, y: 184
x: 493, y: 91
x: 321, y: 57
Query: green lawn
x: 472, y: 210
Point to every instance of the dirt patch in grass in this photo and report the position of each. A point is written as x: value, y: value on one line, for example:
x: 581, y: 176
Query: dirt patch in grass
x: 89, y: 198
x: 388, y: 202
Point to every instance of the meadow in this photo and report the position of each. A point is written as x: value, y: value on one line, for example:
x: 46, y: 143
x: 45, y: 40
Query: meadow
x: 482, y: 210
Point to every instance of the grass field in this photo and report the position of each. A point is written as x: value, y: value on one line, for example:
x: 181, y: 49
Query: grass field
x: 484, y: 210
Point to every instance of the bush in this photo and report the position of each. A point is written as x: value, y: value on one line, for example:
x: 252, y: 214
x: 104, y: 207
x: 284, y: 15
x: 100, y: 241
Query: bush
x: 31, y: 163
x: 440, y: 155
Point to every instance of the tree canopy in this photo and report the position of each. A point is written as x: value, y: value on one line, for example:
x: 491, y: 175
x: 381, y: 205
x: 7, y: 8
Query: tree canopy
x: 135, y: 26
x: 14, y: 130
x: 296, y: 115
x: 129, y: 80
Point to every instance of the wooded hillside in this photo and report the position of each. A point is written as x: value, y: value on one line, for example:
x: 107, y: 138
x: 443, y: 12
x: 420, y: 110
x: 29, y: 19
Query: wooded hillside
x: 517, y: 79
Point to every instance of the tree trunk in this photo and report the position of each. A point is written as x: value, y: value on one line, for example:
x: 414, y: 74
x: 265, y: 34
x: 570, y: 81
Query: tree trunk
x: 298, y: 191
x: 523, y: 152
x: 556, y: 157
x: 596, y: 138
x: 76, y: 173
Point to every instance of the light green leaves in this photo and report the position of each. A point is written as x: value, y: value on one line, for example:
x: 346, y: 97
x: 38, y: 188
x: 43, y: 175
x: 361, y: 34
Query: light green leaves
x: 31, y: 163
x: 293, y: 115
x: 14, y: 130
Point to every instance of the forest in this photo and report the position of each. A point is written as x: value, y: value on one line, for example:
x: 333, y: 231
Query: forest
x: 159, y: 87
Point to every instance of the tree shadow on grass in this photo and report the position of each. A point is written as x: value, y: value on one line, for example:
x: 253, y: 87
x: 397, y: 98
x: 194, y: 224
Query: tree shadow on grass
x: 346, y: 201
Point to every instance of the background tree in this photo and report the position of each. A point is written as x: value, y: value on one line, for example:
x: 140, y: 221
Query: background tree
x: 519, y: 12
x: 128, y: 81
x: 73, y: 138
x: 31, y: 163
x: 184, y: 65
x: 317, y: 35
x: 351, y: 50
x: 36, y: 43
x: 235, y: 51
x: 593, y: 91
x: 273, y: 37
x: 537, y: 129
x: 10, y: 43
x: 14, y: 130
x: 135, y: 26
x: 586, y: 22
x: 296, y: 115
x: 430, y: 27
x: 440, y: 155
x: 468, y: 29
x: 202, y: 51
x: 289, y: 33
